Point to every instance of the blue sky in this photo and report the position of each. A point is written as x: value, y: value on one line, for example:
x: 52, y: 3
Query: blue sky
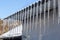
x: 9, y: 7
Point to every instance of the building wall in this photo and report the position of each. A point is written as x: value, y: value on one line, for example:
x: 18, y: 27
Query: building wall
x: 39, y: 22
x: 38, y: 31
x: 43, y: 26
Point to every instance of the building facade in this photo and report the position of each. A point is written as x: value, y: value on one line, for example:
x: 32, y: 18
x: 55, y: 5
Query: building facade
x: 40, y: 21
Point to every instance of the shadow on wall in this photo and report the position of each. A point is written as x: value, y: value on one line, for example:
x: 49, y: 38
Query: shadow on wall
x: 15, y: 38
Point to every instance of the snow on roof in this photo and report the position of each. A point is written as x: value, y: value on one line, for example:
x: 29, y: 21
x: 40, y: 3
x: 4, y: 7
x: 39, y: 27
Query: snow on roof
x: 17, y: 31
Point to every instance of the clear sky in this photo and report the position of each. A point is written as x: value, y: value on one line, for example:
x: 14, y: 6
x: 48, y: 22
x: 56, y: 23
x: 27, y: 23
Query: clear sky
x: 9, y: 7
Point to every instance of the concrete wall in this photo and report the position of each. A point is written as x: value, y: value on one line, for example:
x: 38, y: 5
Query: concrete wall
x: 40, y: 27
x: 35, y: 29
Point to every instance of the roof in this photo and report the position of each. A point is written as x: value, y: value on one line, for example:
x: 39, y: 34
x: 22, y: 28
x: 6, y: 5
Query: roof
x: 17, y: 31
